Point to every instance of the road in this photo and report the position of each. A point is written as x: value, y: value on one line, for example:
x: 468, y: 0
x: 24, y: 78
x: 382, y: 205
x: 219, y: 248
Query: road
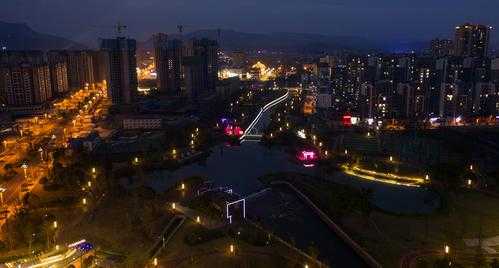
x: 38, y: 137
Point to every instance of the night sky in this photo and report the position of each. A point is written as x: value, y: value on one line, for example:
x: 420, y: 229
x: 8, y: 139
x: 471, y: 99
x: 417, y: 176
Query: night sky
x: 375, y: 19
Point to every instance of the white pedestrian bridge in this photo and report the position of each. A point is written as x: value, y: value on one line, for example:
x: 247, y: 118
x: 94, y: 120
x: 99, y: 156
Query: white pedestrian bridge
x: 255, y: 129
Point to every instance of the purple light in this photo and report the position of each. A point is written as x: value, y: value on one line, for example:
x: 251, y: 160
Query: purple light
x: 307, y: 155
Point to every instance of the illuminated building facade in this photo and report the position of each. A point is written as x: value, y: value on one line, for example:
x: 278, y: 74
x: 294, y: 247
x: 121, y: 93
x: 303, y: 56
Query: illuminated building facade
x: 472, y: 40
x: 441, y: 47
x: 25, y: 83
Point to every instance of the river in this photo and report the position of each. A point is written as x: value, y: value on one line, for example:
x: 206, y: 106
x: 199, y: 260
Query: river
x: 280, y: 210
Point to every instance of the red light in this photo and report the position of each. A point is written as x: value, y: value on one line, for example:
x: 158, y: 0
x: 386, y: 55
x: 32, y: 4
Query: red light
x: 228, y: 130
x: 347, y: 120
x: 233, y: 131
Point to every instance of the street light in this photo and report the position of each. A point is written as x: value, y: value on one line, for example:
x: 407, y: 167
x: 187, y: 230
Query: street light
x: 231, y: 248
x: 55, y: 224
x: 447, y: 250
x: 173, y: 205
x: 41, y: 153
x: 2, y: 190
x: 94, y: 170
x: 182, y: 186
x: 198, y: 219
x: 155, y: 262
x: 25, y: 167
x: 427, y: 177
x: 471, y: 167
x: 84, y: 201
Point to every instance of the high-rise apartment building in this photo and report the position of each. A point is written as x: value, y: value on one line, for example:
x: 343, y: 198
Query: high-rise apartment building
x: 441, y: 47
x: 25, y: 83
x: 122, y: 68
x: 168, y: 61
x: 472, y: 40
x: 58, y: 73
x: 207, y: 53
x: 160, y: 44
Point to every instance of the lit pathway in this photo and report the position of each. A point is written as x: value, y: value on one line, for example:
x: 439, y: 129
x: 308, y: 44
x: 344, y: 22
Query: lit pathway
x: 254, y: 132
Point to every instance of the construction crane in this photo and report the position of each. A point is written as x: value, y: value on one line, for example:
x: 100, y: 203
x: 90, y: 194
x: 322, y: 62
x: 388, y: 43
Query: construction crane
x: 180, y: 29
x: 120, y: 28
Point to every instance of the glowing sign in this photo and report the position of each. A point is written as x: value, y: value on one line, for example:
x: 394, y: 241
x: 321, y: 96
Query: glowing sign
x: 347, y: 120
x: 233, y: 131
x: 301, y: 134
x: 307, y: 155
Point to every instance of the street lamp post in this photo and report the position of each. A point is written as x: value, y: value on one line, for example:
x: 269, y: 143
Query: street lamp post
x: 25, y: 167
x: 2, y: 190
x: 41, y: 153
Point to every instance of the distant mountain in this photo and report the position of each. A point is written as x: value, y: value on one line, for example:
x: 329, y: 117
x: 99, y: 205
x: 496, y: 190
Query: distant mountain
x: 287, y: 42
x: 19, y: 36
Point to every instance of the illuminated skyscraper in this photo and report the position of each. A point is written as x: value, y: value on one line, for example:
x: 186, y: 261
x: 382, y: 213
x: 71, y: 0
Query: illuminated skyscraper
x: 472, y: 40
x: 160, y: 43
x: 441, y: 47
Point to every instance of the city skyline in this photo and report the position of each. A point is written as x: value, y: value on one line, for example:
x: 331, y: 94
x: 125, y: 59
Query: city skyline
x: 175, y: 142
x: 415, y: 21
